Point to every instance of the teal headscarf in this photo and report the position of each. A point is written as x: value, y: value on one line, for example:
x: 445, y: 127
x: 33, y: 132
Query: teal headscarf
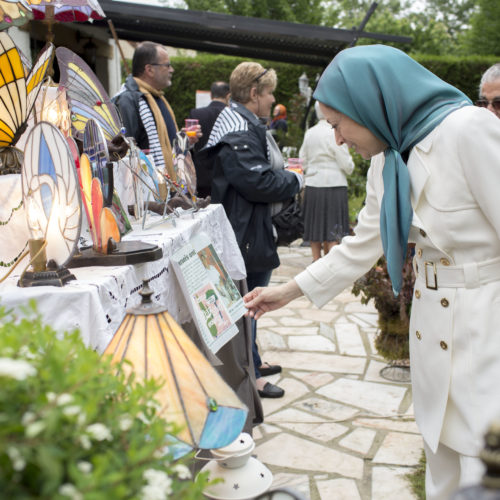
x: 400, y: 102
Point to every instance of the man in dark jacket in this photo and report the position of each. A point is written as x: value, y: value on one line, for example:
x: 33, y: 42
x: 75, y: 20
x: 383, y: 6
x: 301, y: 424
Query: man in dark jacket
x: 248, y: 181
x: 204, y: 159
x: 146, y: 113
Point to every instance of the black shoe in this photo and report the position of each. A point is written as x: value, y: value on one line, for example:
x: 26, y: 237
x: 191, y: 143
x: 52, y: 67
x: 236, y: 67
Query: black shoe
x: 268, y: 369
x: 271, y: 391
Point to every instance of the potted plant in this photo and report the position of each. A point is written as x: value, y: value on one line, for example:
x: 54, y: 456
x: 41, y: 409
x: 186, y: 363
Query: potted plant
x: 392, y: 341
x: 72, y: 427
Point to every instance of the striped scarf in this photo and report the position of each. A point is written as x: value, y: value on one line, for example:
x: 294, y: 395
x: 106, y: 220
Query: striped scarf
x: 155, y: 126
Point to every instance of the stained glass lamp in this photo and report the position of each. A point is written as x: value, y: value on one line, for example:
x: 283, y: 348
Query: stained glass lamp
x: 65, y: 11
x: 14, y: 13
x: 51, y: 198
x: 194, y: 396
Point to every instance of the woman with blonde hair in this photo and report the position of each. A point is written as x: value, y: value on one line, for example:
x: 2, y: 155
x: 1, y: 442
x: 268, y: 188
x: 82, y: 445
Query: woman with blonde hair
x: 250, y: 182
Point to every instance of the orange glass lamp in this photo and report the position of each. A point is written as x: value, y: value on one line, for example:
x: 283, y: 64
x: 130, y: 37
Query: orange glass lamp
x: 194, y: 396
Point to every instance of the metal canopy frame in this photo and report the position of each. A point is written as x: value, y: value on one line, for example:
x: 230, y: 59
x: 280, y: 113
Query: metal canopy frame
x: 234, y: 35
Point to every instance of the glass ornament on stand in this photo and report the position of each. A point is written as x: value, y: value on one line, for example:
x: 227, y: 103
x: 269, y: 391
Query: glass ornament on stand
x: 51, y: 197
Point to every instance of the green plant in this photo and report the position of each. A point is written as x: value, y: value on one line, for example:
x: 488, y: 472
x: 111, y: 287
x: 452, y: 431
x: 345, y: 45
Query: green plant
x: 417, y: 478
x: 393, y: 312
x: 72, y: 427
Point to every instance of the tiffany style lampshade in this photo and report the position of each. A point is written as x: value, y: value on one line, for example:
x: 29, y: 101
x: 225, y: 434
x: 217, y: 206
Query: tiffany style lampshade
x: 194, y: 396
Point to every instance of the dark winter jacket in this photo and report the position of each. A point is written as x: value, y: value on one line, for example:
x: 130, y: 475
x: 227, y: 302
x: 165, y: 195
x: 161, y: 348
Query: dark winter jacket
x: 246, y: 185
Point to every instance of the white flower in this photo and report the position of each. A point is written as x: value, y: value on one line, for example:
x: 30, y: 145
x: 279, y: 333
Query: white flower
x: 27, y: 418
x: 85, y: 442
x: 143, y: 418
x: 99, y: 432
x: 150, y: 492
x: 82, y: 417
x: 125, y: 423
x: 51, y: 397
x: 25, y: 352
x: 69, y: 411
x: 18, y: 462
x: 85, y: 467
x: 159, y: 485
x: 182, y: 471
x: 69, y: 490
x: 16, y: 368
x: 34, y: 429
x: 64, y: 399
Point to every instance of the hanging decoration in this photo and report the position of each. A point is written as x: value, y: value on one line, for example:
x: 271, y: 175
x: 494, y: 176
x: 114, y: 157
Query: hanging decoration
x: 14, y: 13
x: 183, y: 164
x: 86, y: 96
x: 18, y: 94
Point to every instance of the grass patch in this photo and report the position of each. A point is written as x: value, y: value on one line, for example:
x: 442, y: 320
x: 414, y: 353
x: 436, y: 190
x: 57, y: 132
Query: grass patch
x: 417, y: 479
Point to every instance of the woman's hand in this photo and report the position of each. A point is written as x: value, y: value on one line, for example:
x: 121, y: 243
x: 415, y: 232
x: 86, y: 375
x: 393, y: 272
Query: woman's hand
x: 261, y: 300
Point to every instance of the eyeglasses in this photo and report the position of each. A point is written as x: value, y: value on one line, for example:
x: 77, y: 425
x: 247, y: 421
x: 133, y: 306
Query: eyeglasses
x: 166, y: 65
x: 261, y: 75
x: 482, y: 102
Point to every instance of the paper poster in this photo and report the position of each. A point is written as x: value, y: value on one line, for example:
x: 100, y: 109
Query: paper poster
x: 211, y: 294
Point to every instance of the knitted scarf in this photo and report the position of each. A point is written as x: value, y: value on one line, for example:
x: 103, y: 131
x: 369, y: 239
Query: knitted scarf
x: 150, y: 93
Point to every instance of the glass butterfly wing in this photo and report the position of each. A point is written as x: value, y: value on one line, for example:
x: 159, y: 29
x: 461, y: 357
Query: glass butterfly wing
x: 14, y: 13
x: 86, y: 96
x: 51, y: 192
x: 183, y: 163
x: 18, y: 93
x: 96, y: 149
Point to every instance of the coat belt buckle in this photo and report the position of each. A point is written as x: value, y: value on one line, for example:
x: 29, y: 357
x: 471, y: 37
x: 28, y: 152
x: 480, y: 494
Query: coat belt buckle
x: 434, y: 286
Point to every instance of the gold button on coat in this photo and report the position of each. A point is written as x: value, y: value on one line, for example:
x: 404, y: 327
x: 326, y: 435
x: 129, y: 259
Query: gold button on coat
x: 443, y: 345
x: 417, y: 294
x: 419, y: 252
x: 418, y: 334
x: 445, y: 303
x: 423, y: 233
x: 444, y: 262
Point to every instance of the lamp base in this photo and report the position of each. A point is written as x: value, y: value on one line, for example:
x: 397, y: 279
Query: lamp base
x: 59, y: 277
x: 126, y: 252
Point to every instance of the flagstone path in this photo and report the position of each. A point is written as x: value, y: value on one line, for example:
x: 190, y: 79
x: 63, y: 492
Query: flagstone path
x: 341, y: 432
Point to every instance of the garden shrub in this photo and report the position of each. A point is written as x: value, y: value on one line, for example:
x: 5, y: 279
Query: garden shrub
x: 72, y: 427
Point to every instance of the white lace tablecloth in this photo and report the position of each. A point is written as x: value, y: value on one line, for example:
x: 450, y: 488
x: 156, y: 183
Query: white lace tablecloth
x: 97, y: 300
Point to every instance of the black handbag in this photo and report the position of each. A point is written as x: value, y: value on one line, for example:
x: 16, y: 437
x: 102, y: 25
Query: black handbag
x: 289, y: 222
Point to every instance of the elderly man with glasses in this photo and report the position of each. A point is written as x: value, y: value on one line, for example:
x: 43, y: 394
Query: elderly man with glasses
x: 146, y: 113
x: 489, y: 90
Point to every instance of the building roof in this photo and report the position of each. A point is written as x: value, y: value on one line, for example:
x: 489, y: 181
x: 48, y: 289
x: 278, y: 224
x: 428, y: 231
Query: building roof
x: 233, y: 35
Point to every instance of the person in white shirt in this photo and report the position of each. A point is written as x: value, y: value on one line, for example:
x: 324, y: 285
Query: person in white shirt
x: 326, y: 211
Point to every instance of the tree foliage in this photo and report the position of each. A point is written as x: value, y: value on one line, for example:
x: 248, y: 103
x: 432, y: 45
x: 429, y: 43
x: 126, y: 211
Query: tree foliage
x: 484, y: 35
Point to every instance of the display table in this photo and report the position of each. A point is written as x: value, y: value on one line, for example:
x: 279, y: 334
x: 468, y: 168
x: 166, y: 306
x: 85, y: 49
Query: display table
x: 97, y: 300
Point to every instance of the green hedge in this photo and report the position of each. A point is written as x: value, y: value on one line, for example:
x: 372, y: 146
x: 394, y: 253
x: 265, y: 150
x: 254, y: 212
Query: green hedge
x: 198, y: 73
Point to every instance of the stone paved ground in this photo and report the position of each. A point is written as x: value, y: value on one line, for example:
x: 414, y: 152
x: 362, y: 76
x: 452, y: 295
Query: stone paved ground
x: 341, y: 432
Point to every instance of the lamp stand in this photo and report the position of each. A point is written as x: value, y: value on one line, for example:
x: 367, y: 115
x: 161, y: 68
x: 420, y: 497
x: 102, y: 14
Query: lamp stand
x: 41, y: 275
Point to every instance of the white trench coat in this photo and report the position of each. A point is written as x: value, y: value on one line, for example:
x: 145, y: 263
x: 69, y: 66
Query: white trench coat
x: 455, y: 326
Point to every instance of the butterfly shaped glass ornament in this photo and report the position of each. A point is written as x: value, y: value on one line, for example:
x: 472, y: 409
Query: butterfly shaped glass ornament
x: 18, y: 94
x: 96, y: 150
x: 87, y: 98
x: 184, y: 166
x: 51, y: 196
x: 14, y: 13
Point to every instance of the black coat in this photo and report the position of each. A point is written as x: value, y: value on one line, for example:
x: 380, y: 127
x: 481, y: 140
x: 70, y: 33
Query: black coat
x: 246, y: 185
x: 204, y: 160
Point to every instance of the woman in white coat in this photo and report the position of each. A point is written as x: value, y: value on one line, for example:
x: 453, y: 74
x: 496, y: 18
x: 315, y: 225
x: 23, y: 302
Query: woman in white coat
x: 326, y: 210
x: 434, y: 181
